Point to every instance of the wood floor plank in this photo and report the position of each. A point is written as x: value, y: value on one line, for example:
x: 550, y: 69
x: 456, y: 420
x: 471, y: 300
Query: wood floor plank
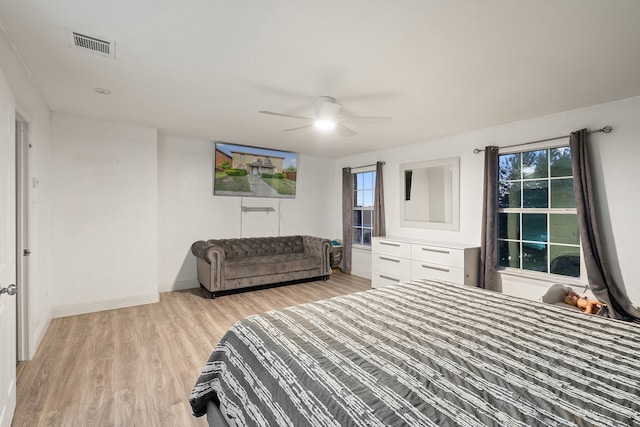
x: 136, y: 366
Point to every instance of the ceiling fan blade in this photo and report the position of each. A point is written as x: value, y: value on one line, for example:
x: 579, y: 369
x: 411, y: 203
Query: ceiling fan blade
x: 344, y: 131
x: 300, y: 127
x: 283, y: 115
x: 367, y: 119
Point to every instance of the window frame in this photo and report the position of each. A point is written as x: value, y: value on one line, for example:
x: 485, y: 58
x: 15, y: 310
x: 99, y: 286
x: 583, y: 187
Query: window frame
x: 532, y: 274
x: 355, y: 208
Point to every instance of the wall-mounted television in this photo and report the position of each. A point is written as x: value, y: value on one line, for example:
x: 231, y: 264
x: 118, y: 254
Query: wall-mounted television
x: 242, y: 170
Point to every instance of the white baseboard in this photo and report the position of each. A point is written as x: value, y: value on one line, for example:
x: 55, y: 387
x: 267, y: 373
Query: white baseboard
x: 178, y: 286
x: 92, y: 307
x: 38, y: 335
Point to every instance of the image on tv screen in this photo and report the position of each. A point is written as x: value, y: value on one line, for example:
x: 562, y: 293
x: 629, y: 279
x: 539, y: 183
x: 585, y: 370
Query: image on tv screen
x: 242, y: 170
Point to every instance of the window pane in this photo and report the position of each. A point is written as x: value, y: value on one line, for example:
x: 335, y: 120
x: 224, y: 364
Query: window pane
x: 366, y: 218
x: 562, y: 194
x: 360, y: 198
x: 366, y: 236
x: 534, y: 227
x: 508, y: 254
x: 357, y: 218
x: 565, y: 260
x: 357, y: 236
x: 534, y: 257
x: 509, y: 167
x: 560, y: 161
x: 563, y: 228
x: 369, y: 180
x: 509, y: 195
x: 367, y: 198
x: 509, y: 226
x: 534, y: 164
x: 535, y: 194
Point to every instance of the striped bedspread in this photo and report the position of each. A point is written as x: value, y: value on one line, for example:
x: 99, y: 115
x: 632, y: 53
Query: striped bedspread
x: 425, y: 354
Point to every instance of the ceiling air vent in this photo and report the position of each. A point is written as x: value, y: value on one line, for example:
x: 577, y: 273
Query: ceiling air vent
x: 92, y: 44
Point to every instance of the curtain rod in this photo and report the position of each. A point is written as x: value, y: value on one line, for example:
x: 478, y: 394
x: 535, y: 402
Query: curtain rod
x: 606, y: 129
x: 363, y: 166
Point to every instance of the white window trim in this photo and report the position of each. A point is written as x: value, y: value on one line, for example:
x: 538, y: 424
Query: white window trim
x: 582, y: 280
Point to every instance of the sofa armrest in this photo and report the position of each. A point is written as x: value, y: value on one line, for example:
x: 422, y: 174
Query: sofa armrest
x: 209, y: 252
x: 212, y: 255
x: 319, y: 247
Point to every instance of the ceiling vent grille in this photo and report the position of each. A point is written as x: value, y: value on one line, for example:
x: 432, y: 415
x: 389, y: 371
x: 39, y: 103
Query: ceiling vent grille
x: 92, y: 44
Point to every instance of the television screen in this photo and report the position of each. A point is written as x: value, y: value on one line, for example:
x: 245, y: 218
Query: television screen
x: 241, y: 170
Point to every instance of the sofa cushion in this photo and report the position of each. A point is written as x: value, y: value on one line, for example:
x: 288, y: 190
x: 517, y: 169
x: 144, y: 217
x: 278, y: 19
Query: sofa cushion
x: 270, y: 264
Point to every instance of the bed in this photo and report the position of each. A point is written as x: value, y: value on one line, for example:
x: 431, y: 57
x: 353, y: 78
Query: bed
x: 423, y: 353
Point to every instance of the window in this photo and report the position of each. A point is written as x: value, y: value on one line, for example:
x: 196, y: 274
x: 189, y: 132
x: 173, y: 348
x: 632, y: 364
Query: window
x: 363, y: 208
x: 537, y: 219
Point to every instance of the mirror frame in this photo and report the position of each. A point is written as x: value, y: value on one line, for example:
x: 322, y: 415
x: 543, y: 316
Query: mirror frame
x: 454, y: 163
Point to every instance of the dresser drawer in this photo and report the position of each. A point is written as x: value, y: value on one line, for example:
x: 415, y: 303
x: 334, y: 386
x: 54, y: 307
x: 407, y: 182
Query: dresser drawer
x: 426, y: 270
x: 391, y: 247
x: 438, y: 255
x: 390, y: 264
x: 380, y: 279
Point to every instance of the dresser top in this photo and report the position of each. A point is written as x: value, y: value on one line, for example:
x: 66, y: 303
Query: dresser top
x: 453, y: 245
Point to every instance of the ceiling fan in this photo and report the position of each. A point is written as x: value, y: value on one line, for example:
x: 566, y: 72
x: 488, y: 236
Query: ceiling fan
x: 326, y: 117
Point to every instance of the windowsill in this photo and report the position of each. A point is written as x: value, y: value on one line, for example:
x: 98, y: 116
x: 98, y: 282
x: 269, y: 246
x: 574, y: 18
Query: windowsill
x: 361, y: 247
x: 543, y: 277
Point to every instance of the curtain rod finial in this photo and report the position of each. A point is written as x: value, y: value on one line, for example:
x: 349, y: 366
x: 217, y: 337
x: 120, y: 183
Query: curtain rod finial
x: 606, y: 129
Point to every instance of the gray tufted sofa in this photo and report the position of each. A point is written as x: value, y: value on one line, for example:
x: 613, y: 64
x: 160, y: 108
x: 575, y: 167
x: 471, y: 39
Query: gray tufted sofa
x: 228, y: 264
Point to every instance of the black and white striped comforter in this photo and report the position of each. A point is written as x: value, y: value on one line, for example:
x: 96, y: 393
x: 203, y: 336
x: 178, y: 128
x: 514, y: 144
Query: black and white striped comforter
x: 425, y: 354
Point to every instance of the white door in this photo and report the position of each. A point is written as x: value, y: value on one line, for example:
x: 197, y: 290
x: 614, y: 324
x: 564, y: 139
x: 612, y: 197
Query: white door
x: 7, y: 254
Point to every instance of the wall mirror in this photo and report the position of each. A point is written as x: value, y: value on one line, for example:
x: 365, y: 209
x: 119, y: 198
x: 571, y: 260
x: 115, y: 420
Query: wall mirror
x: 430, y: 194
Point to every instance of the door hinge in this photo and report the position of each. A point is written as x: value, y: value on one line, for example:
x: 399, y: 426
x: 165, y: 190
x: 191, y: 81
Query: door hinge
x: 26, y: 252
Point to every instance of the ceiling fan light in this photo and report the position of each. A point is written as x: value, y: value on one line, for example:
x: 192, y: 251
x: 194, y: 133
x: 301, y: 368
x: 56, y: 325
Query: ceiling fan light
x: 324, y: 124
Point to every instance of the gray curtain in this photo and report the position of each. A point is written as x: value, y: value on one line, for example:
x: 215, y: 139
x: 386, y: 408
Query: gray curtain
x: 488, y: 249
x: 347, y: 219
x: 602, y: 285
x: 379, y: 227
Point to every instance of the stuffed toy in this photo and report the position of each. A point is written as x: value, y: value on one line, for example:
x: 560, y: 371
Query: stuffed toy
x: 583, y: 303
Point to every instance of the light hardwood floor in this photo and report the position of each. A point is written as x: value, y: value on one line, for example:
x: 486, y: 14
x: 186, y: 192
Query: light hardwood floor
x: 136, y: 366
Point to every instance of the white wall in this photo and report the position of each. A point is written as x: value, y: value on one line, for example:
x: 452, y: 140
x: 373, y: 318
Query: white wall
x: 104, y: 214
x: 188, y: 211
x: 32, y: 107
x: 615, y: 157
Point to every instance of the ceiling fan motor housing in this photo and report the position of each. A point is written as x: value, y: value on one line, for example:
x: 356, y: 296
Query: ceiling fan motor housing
x: 326, y: 107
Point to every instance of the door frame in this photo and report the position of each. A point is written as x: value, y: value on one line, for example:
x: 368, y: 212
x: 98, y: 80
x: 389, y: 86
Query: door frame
x: 23, y: 199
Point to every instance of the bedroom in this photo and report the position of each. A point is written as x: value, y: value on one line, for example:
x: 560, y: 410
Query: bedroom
x: 85, y: 211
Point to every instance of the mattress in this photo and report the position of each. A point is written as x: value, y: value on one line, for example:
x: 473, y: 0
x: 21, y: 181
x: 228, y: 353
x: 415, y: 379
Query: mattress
x: 424, y: 353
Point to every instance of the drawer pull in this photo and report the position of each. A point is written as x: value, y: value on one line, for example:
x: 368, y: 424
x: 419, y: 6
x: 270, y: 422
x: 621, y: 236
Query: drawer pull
x: 446, y: 270
x: 390, y: 244
x: 388, y: 278
x: 438, y: 251
x: 389, y: 259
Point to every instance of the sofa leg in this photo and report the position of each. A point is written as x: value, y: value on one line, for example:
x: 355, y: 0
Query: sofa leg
x: 325, y: 278
x: 213, y: 295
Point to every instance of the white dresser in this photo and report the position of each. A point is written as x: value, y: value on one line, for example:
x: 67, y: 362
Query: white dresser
x: 395, y: 260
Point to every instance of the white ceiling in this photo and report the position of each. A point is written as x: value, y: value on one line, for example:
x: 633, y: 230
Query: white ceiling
x: 203, y: 68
